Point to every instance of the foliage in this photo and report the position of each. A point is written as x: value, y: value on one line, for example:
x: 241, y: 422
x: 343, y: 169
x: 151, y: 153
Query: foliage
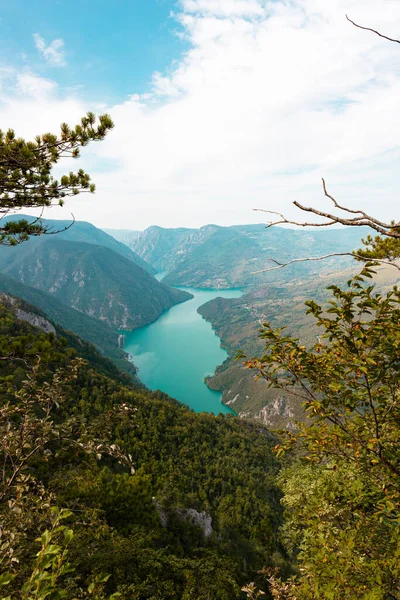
x: 25, y: 172
x: 50, y: 567
x: 343, y: 507
x: 131, y: 525
x: 379, y: 247
x: 67, y: 320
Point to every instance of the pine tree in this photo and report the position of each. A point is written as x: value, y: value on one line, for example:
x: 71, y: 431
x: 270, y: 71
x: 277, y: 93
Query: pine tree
x: 26, y: 180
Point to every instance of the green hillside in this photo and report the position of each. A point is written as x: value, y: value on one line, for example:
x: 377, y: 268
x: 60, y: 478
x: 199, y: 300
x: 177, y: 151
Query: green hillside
x: 226, y: 257
x: 196, y: 518
x: 103, y: 337
x: 91, y: 279
x: 81, y: 231
x: 237, y: 322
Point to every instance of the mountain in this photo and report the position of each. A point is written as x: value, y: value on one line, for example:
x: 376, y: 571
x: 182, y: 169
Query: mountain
x: 37, y: 318
x: 92, y: 279
x: 237, y: 322
x: 163, y: 248
x: 81, y: 231
x: 106, y: 340
x: 125, y: 236
x: 197, y: 515
x: 227, y: 257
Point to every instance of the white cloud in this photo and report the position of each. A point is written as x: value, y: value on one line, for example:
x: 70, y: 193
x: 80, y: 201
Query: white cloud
x: 224, y: 8
x: 271, y: 96
x: 53, y: 53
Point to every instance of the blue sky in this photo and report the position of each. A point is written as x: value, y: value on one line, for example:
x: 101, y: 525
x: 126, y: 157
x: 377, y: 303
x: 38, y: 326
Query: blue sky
x: 220, y: 106
x: 111, y: 48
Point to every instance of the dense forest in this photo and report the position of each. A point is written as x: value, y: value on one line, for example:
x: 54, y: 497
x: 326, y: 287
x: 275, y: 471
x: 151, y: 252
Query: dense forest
x: 169, y: 503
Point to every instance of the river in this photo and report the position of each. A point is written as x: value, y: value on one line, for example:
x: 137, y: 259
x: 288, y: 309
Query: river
x: 177, y: 351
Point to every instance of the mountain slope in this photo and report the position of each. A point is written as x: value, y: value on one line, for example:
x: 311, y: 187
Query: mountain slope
x: 224, y: 257
x: 103, y: 337
x: 125, y: 236
x: 81, y: 231
x: 31, y: 314
x: 196, y: 518
x: 163, y: 248
x: 92, y: 279
x: 237, y: 322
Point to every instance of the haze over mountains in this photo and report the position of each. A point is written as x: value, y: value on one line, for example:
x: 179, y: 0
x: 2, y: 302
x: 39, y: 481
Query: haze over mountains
x: 226, y: 257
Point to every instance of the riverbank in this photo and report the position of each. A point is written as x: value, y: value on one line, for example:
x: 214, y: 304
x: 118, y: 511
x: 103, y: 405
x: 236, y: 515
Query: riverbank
x: 176, y: 353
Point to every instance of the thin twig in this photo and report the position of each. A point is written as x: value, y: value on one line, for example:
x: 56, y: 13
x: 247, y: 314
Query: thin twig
x: 313, y: 258
x: 373, y: 31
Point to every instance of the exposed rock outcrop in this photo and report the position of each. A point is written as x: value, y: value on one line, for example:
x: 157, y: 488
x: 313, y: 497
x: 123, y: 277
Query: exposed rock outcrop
x: 30, y: 317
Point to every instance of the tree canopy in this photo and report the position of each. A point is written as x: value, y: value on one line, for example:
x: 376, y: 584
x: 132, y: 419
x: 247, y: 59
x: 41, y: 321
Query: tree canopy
x: 26, y: 179
x: 342, y: 494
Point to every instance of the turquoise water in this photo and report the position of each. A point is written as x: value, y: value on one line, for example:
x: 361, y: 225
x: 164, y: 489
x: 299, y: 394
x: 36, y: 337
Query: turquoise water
x: 175, y: 353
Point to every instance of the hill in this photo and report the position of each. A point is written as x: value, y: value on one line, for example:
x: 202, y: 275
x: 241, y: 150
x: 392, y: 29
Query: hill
x: 103, y: 337
x: 226, y: 257
x: 238, y: 321
x: 32, y: 315
x: 92, y: 279
x: 81, y: 231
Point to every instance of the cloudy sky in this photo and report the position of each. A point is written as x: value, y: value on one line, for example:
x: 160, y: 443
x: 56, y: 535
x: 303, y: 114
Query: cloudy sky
x: 220, y: 106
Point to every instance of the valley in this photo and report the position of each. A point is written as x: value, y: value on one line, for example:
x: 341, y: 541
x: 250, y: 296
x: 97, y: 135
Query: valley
x: 215, y: 257
x: 180, y: 331
x: 158, y: 329
x: 192, y: 406
x: 179, y: 350
x: 157, y: 375
x: 220, y: 258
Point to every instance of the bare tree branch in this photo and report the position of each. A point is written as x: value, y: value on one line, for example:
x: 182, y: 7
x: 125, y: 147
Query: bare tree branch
x: 313, y: 258
x: 363, y: 219
x: 373, y: 31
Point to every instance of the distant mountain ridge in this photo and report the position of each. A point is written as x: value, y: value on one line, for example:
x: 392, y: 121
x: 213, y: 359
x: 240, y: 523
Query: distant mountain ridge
x: 227, y: 257
x: 82, y: 231
x: 125, y: 236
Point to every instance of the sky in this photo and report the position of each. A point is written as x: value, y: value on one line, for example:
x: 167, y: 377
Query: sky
x: 220, y: 106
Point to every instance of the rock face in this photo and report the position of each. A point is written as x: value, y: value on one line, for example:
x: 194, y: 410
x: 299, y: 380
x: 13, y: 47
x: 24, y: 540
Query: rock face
x: 30, y: 317
x: 200, y: 519
x: 279, y: 409
x: 35, y: 320
x: 107, y: 341
x: 91, y: 279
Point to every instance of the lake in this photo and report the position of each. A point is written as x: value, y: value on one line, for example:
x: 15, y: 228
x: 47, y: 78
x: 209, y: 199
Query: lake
x: 177, y: 351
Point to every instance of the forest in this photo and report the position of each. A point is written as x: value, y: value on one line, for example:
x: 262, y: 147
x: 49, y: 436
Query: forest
x: 109, y: 490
